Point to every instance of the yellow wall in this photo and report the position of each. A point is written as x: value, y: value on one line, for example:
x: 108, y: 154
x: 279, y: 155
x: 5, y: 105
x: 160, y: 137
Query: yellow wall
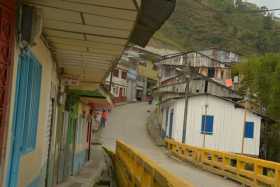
x: 32, y: 163
x: 148, y: 71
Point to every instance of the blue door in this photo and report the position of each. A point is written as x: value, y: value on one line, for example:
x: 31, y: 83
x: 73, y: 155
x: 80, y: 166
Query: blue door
x: 25, y: 117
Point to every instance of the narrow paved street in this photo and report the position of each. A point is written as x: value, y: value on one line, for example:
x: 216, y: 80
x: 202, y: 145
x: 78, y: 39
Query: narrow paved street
x: 127, y: 123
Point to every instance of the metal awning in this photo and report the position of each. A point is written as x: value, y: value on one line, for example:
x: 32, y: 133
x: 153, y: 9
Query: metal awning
x: 86, y: 37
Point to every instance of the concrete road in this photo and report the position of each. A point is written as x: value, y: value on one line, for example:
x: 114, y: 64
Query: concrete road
x: 127, y: 123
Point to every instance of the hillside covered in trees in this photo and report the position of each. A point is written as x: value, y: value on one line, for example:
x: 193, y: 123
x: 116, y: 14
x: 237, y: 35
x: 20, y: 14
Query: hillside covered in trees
x: 241, y: 27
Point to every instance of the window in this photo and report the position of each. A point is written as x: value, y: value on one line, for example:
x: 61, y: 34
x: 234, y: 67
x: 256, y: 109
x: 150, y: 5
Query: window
x: 28, y: 91
x: 115, y: 91
x: 207, y: 124
x: 168, y: 71
x: 116, y: 73
x: 211, y: 72
x: 124, y: 75
x: 249, y: 130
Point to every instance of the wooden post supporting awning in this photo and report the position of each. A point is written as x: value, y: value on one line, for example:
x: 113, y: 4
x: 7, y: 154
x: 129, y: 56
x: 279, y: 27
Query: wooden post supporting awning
x: 87, y: 37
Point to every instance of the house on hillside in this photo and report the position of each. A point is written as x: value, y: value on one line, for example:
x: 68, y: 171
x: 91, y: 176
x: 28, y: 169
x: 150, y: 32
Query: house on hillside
x: 134, y: 76
x: 213, y: 117
x: 172, y: 81
x: 224, y: 56
x: 215, y: 64
x: 118, y: 82
x: 176, y: 87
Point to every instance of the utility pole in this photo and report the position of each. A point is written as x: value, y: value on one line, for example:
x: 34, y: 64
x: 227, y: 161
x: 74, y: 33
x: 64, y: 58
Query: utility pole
x: 188, y: 77
x: 111, y: 80
x: 245, y: 119
x: 204, y: 126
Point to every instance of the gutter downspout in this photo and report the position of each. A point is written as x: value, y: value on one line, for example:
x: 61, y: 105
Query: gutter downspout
x: 111, y: 80
x: 204, y: 125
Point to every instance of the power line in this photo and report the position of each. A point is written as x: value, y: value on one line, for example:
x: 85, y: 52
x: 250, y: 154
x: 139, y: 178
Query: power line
x: 240, y: 11
x: 260, y: 11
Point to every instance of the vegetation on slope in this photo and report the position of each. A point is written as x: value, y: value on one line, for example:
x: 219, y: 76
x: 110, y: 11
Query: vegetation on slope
x: 261, y: 77
x: 200, y: 24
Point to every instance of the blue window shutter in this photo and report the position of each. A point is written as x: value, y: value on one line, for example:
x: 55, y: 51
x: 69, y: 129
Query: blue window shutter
x: 207, y: 124
x: 23, y: 95
x: 249, y: 130
x: 31, y: 109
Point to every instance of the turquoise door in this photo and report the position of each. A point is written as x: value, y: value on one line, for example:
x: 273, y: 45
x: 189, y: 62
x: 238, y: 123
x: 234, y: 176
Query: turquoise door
x: 25, y: 117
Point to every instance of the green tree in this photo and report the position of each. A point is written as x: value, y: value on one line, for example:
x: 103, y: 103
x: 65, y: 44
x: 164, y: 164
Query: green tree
x: 261, y: 77
x: 268, y: 22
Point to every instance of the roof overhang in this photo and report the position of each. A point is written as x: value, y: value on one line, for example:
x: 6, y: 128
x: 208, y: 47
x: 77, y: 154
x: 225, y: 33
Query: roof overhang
x: 88, y: 37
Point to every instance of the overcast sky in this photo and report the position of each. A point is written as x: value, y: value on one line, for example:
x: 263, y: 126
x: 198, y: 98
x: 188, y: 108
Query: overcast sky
x: 269, y: 3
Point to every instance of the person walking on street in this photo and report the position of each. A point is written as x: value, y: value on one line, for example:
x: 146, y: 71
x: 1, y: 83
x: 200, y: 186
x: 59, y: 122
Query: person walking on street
x: 95, y: 122
x: 104, y: 118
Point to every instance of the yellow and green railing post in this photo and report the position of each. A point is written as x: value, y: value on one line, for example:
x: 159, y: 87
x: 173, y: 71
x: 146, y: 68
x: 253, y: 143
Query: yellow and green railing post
x: 134, y: 169
x: 243, y: 169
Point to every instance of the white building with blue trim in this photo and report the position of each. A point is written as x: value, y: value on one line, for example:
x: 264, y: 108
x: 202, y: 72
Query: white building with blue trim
x: 212, y: 122
x: 213, y: 118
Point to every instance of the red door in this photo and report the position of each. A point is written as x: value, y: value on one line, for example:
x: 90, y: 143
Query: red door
x: 7, y: 34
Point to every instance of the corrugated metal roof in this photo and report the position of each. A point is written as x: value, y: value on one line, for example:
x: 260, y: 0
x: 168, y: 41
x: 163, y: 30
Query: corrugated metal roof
x: 85, y: 36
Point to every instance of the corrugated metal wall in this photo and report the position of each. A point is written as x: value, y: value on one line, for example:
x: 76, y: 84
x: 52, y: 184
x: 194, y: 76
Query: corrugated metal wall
x: 228, y: 124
